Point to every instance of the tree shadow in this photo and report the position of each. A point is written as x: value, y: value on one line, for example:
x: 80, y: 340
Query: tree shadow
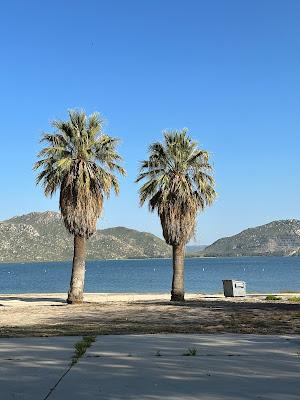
x: 225, y: 367
x: 34, y: 299
x: 228, y: 305
x: 140, y: 317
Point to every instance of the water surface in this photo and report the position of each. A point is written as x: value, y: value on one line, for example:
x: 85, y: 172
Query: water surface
x: 202, y: 275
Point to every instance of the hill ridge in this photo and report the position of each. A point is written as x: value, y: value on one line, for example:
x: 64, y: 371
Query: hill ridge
x: 41, y: 236
x: 276, y: 238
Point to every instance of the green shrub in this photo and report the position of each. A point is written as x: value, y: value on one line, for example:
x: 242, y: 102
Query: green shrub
x: 294, y: 299
x: 273, y: 298
x: 191, y: 352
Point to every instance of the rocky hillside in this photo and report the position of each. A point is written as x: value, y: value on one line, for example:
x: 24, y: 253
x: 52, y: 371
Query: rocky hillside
x: 278, y: 238
x: 43, y: 237
x: 193, y: 250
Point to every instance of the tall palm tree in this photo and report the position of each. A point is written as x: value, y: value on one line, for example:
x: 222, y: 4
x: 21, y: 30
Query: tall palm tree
x: 178, y: 185
x: 79, y: 160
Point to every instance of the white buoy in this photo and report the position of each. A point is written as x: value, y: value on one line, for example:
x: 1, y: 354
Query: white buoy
x: 203, y: 269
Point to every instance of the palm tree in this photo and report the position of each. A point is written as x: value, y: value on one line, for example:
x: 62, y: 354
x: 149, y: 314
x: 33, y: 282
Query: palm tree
x: 178, y: 185
x: 79, y: 160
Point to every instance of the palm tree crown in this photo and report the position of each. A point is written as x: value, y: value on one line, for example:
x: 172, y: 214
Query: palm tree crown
x: 79, y: 159
x: 178, y: 184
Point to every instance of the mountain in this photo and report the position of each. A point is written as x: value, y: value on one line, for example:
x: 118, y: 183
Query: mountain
x: 194, y: 249
x: 43, y: 237
x: 278, y: 238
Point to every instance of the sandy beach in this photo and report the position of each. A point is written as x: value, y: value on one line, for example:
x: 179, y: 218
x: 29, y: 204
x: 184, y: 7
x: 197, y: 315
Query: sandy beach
x: 49, y: 315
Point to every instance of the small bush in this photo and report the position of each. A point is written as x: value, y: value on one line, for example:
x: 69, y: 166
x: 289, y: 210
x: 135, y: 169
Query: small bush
x: 294, y: 299
x: 273, y: 298
x: 191, y: 352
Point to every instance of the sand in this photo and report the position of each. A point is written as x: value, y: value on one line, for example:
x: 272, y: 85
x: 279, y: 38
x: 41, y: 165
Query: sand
x: 49, y: 315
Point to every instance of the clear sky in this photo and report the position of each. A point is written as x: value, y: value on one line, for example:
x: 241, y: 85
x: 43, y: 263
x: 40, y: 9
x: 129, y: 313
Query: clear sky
x: 227, y: 70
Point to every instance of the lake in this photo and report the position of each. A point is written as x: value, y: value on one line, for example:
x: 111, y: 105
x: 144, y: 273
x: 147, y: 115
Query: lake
x: 202, y: 275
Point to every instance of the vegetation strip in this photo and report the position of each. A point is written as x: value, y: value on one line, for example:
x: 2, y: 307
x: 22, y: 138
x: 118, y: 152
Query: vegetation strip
x: 80, y: 349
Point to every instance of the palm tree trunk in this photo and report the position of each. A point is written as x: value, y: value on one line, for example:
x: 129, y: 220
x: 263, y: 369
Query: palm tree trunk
x: 75, y: 294
x: 177, y: 293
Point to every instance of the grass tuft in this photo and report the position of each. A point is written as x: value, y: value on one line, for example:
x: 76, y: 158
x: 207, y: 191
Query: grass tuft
x: 191, y: 352
x: 81, y: 347
x: 273, y: 298
x: 294, y: 299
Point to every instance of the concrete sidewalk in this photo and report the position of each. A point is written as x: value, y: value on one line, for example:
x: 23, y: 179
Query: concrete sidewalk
x: 226, y: 367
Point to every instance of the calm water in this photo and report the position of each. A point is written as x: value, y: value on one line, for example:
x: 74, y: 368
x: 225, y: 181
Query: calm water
x: 262, y: 274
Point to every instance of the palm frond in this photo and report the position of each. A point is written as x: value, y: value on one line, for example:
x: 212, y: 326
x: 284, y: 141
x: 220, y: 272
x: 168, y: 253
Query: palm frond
x: 177, y: 184
x: 79, y: 160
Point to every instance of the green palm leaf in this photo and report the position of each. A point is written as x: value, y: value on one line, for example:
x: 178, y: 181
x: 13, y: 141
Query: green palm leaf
x: 177, y: 184
x: 79, y: 160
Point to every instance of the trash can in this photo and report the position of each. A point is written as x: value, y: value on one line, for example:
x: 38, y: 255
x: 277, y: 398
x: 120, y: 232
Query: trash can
x: 234, y: 288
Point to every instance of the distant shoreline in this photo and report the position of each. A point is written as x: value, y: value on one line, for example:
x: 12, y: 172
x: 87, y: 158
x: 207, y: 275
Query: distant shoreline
x: 144, y: 258
x: 89, y: 260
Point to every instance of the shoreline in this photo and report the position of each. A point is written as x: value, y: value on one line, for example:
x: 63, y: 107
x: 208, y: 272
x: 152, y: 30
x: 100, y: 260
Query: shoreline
x: 146, y: 258
x: 100, y: 297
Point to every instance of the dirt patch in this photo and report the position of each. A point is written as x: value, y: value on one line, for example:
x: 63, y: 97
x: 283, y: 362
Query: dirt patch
x: 193, y: 316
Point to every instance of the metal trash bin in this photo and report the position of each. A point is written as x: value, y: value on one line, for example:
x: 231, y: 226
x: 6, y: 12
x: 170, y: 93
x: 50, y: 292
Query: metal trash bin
x: 234, y: 288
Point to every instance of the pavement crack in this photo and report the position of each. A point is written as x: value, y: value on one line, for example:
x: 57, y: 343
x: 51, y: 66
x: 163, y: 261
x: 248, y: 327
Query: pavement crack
x: 80, y: 349
x: 58, y: 382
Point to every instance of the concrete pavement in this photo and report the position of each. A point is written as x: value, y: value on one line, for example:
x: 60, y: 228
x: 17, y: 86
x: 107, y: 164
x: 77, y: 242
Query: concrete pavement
x: 30, y: 367
x: 132, y: 367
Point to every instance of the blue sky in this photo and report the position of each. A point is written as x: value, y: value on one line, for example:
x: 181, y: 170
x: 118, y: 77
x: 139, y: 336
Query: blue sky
x: 227, y: 70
